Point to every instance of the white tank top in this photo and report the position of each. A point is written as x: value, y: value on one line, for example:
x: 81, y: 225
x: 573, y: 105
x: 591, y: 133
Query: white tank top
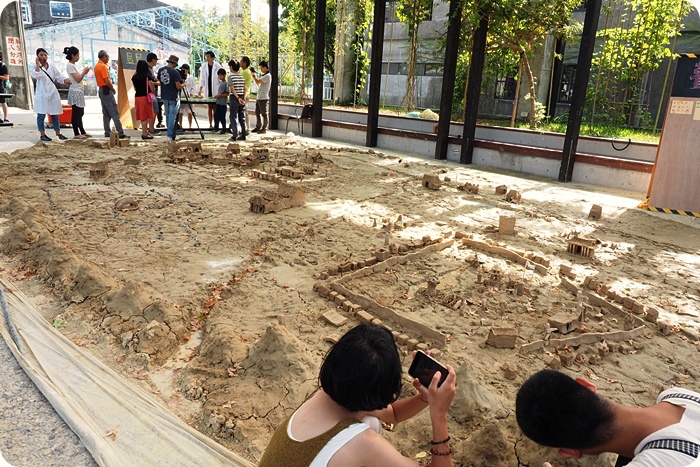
x: 339, y: 440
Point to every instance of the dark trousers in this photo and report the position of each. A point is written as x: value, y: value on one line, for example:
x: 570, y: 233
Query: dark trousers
x: 220, y: 117
x: 238, y: 112
x: 261, y: 114
x: 76, y: 120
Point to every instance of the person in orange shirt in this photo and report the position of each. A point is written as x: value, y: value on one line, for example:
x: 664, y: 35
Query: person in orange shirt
x: 106, y: 92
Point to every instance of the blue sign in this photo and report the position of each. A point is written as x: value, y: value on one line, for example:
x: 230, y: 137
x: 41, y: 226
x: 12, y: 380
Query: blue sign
x: 63, y: 10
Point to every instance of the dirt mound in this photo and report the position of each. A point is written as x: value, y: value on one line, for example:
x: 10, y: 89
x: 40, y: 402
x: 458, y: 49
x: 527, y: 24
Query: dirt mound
x: 255, y: 395
x: 144, y: 323
x: 476, y: 400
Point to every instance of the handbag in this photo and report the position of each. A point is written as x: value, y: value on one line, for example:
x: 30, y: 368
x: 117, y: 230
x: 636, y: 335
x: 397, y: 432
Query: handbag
x: 151, y: 97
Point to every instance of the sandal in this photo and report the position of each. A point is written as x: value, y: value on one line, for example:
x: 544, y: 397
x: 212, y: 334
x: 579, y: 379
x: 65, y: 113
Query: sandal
x: 146, y: 137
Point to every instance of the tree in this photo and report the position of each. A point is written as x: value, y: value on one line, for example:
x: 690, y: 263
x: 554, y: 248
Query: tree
x: 412, y: 13
x: 298, y: 20
x: 521, y: 25
x: 208, y: 30
x: 629, y: 54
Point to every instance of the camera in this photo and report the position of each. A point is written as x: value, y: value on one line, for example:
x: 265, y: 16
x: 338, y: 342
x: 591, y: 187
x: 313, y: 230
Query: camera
x: 182, y: 73
x: 252, y: 70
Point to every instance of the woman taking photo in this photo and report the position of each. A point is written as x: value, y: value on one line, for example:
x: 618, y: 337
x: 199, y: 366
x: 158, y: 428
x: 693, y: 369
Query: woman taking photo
x: 46, y: 98
x: 143, y: 87
x: 339, y: 426
x: 76, y: 93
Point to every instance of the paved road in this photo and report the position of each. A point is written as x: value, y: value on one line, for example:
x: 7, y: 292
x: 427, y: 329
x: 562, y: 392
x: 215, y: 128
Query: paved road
x: 24, y: 133
x: 31, y: 432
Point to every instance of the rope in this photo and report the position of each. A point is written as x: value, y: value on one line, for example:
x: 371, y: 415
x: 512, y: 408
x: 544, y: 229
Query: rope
x: 10, y: 323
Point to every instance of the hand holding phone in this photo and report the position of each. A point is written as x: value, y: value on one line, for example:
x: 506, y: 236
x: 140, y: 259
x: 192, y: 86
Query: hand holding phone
x: 424, y: 367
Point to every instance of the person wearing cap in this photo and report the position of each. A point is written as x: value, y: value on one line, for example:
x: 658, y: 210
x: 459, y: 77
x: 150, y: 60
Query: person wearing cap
x: 106, y: 92
x: 170, y: 84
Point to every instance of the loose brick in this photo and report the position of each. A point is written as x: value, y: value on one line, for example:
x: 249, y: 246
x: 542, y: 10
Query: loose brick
x: 339, y: 299
x: 346, y: 305
x: 412, y: 343
x: 334, y: 318
x: 402, y: 339
x: 364, y: 316
x: 376, y: 322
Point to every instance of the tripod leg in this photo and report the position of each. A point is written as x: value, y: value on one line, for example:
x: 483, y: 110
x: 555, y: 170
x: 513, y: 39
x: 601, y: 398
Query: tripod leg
x: 187, y: 99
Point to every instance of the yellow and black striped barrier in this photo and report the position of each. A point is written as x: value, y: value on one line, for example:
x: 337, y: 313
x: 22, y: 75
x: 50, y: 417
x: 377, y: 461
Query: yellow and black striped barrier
x: 645, y: 205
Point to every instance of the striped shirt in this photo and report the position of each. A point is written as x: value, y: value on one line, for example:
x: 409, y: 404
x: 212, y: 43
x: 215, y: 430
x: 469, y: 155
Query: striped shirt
x: 237, y: 85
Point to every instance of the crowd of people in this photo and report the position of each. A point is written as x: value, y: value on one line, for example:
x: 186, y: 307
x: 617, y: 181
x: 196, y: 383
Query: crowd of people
x: 225, y: 93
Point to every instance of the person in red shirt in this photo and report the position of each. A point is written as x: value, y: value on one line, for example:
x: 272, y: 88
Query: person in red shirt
x: 106, y: 92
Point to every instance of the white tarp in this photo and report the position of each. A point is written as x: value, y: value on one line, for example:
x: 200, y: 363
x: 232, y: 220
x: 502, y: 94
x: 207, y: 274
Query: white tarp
x: 95, y: 401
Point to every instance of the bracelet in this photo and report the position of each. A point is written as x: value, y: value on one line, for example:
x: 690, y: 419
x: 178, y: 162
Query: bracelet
x: 436, y: 453
x: 435, y: 443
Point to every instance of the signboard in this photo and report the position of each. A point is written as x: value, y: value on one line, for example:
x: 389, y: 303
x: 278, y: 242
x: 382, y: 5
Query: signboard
x: 674, y: 184
x: 62, y: 10
x: 128, y: 58
x: 26, y: 12
x: 15, y: 55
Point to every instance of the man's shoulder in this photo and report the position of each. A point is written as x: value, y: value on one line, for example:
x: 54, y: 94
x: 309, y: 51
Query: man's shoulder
x: 679, y: 393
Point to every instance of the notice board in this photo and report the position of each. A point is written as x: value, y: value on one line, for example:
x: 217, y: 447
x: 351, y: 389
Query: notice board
x: 675, y: 181
x: 126, y: 66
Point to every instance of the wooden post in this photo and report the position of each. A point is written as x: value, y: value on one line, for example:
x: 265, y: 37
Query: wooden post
x: 319, y: 48
x: 471, y: 109
x: 448, y: 78
x: 578, y: 100
x: 273, y: 61
x: 375, y: 73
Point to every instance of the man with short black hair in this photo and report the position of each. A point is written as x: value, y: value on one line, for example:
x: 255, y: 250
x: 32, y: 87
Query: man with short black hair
x: 264, y: 82
x: 152, y: 60
x: 171, y: 82
x: 555, y: 410
x: 248, y: 78
x: 208, y: 81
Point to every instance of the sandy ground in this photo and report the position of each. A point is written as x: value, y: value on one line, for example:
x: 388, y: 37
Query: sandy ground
x: 183, y: 294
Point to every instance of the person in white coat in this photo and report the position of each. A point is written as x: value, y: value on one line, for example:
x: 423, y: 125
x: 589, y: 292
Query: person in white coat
x: 208, y: 80
x: 47, y: 101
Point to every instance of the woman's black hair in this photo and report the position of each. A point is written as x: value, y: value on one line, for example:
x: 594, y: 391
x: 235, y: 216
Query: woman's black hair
x: 39, y: 50
x: 142, y: 69
x: 234, y: 64
x: 70, y: 52
x: 363, y: 370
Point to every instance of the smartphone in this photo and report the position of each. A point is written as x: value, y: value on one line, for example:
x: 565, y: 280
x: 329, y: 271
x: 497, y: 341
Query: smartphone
x: 424, y: 367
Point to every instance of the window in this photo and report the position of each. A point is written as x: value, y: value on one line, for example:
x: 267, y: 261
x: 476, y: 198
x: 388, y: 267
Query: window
x: 566, y: 89
x: 422, y: 69
x: 391, y: 12
x: 505, y: 88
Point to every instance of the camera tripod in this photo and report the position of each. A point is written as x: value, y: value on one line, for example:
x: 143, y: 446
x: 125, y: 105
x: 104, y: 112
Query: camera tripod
x: 187, y: 99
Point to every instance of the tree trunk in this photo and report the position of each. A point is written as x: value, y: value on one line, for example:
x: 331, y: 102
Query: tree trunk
x: 411, y: 74
x: 533, y: 95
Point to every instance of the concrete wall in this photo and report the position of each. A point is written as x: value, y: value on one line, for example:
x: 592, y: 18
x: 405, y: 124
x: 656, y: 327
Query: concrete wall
x: 419, y: 144
x: 19, y: 75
